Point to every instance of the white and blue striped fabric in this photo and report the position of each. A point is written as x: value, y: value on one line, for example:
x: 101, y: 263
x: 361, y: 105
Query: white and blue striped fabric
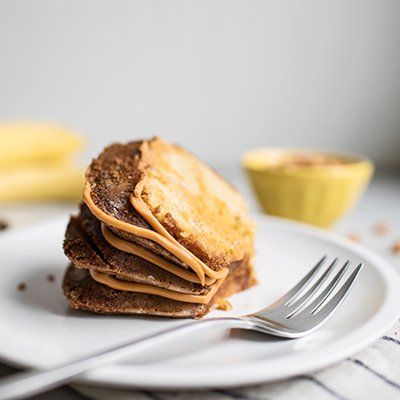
x: 373, y: 373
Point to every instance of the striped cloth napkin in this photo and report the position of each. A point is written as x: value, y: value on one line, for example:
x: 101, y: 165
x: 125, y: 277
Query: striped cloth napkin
x: 374, y: 373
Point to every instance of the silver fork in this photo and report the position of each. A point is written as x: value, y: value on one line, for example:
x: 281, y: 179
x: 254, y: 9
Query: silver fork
x: 302, y: 310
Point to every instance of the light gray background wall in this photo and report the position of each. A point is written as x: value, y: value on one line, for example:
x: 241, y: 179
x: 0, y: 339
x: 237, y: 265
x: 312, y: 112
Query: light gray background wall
x: 218, y: 76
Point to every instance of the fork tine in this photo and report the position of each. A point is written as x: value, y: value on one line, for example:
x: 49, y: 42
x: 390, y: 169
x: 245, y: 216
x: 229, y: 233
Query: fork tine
x: 312, y: 307
x: 289, y: 296
x: 310, y: 292
x: 327, y: 310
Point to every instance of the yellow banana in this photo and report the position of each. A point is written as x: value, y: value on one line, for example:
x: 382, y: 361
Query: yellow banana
x: 27, y: 142
x: 41, y: 182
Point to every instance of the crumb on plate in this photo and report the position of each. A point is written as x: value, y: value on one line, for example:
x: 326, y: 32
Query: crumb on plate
x: 381, y: 228
x: 3, y: 225
x: 21, y: 286
x: 223, y: 304
x: 396, y: 247
x: 354, y: 237
x: 51, y: 277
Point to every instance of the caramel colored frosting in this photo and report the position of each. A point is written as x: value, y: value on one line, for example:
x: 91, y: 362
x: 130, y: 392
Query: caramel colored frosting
x: 132, y: 248
x: 117, y: 284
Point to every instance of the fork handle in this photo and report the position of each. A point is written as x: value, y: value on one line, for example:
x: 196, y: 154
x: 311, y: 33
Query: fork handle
x: 29, y: 383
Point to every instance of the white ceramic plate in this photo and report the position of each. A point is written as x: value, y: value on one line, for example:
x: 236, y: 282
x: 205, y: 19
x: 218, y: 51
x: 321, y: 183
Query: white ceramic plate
x: 38, y: 330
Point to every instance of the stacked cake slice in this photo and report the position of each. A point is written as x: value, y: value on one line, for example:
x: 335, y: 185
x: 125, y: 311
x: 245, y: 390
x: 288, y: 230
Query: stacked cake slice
x: 159, y: 233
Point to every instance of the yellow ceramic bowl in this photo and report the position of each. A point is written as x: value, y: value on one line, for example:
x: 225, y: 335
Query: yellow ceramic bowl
x: 317, y: 194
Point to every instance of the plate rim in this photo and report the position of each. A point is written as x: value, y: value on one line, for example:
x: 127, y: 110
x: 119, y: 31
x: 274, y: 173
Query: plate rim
x: 386, y: 316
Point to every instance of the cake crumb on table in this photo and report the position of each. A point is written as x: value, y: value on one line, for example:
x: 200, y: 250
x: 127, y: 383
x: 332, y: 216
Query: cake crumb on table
x: 51, y: 277
x: 3, y: 225
x: 354, y: 237
x: 396, y: 247
x: 223, y: 304
x: 381, y: 228
x: 21, y: 286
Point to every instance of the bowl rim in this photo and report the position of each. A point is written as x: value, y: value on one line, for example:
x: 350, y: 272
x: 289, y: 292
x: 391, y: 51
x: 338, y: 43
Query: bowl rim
x: 359, y: 163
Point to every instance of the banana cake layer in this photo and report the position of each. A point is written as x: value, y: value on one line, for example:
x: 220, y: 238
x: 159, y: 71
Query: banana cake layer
x: 160, y: 233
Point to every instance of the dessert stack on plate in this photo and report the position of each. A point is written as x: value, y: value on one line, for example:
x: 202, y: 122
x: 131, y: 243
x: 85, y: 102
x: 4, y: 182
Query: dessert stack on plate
x: 158, y: 233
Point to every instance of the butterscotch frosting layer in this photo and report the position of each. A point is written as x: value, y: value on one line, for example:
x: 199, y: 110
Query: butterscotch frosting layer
x: 133, y: 248
x: 118, y: 284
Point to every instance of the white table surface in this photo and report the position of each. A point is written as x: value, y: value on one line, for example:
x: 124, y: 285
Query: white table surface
x: 380, y: 204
